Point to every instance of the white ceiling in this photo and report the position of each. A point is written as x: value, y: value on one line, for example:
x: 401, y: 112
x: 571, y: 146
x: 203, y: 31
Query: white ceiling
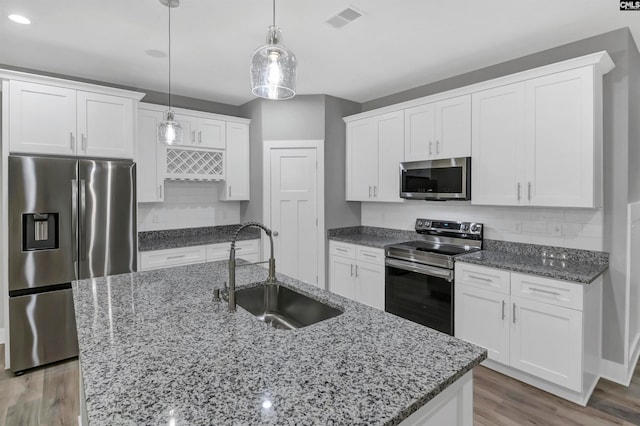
x: 395, y: 46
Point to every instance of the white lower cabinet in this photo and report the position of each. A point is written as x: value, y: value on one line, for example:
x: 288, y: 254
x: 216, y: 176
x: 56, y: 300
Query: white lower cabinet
x: 248, y: 250
x: 542, y: 331
x: 357, y: 273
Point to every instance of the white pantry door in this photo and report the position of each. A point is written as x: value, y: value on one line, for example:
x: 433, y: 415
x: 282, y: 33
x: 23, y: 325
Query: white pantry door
x: 294, y: 212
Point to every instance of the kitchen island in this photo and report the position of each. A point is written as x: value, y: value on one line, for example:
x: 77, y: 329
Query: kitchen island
x: 155, y: 348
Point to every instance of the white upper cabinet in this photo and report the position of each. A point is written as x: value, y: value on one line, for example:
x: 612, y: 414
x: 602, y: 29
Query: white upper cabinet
x: 105, y: 125
x: 534, y: 142
x: 151, y: 157
x: 374, y: 152
x: 236, y: 185
x: 52, y: 119
x: 42, y: 119
x: 438, y: 130
x: 199, y: 131
x: 560, y: 144
x: 498, y: 145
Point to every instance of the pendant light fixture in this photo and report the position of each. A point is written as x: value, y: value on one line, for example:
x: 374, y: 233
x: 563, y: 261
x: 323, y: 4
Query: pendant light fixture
x: 273, y: 67
x: 169, y: 130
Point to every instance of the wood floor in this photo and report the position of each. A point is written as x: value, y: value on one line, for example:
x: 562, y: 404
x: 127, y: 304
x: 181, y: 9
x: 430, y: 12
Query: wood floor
x: 49, y: 396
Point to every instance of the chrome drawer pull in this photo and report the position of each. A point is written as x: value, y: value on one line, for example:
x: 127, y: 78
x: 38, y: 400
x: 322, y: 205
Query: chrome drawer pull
x: 341, y: 249
x: 175, y: 257
x: 481, y: 278
x: 369, y: 255
x: 554, y: 293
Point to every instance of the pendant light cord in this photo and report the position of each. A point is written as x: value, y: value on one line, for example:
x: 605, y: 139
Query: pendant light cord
x: 274, y: 13
x: 169, y: 6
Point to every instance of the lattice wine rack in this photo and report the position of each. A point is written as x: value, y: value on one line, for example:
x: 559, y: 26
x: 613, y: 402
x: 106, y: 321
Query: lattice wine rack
x: 183, y: 164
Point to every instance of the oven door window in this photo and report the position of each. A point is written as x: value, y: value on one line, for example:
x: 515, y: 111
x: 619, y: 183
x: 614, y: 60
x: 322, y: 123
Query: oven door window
x: 446, y: 180
x: 420, y: 298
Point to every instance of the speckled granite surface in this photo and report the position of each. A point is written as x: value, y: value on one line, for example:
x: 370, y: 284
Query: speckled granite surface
x: 371, y: 236
x: 580, y: 266
x: 188, y: 237
x: 155, y: 349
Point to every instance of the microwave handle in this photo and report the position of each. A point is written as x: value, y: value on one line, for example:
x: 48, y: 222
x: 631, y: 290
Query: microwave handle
x: 446, y: 274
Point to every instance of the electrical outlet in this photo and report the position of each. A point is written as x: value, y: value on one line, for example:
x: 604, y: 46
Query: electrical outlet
x: 156, y: 218
x: 555, y: 229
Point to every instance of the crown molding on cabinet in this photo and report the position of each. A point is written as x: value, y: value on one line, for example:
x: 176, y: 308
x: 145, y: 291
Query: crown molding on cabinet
x: 601, y: 61
x: 194, y: 113
x: 69, y: 84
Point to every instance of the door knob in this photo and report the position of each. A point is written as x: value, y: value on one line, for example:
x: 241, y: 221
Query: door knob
x: 275, y: 233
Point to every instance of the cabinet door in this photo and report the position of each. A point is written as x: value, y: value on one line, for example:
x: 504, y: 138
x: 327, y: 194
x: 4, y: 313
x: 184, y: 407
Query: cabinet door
x: 498, y: 135
x: 560, y: 139
x: 482, y: 318
x: 151, y: 158
x: 211, y: 133
x: 42, y: 119
x: 453, y: 128
x: 362, y: 159
x: 546, y: 341
x: 390, y: 154
x: 341, y: 277
x: 236, y: 184
x: 420, y: 131
x: 105, y: 125
x: 172, y: 257
x: 188, y: 125
x: 370, y: 284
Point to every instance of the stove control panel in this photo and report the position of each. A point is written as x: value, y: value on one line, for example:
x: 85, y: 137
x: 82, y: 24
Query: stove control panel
x: 431, y: 226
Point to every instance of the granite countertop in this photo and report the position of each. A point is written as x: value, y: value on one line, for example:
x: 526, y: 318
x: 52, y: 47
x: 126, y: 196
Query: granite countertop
x: 371, y: 236
x: 189, y: 237
x: 579, y: 266
x: 155, y: 348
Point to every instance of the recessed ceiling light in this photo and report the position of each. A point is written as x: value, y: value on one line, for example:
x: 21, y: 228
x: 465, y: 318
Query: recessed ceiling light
x: 20, y: 19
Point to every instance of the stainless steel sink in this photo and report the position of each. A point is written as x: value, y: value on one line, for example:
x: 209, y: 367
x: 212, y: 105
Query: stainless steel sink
x: 283, y: 308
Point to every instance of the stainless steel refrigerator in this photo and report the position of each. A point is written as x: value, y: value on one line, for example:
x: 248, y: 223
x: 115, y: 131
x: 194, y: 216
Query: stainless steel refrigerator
x: 69, y: 219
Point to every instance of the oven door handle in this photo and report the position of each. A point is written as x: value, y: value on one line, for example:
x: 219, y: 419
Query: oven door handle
x: 447, y: 274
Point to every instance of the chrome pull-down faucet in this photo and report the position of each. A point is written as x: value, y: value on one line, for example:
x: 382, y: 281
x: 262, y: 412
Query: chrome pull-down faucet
x: 271, y: 279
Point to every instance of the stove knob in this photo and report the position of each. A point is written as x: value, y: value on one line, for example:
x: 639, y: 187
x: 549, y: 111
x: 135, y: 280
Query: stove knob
x: 475, y: 228
x: 419, y: 223
x: 427, y: 224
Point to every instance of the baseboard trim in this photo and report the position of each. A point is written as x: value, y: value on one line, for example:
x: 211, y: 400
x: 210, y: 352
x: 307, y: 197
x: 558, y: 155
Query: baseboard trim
x: 619, y: 373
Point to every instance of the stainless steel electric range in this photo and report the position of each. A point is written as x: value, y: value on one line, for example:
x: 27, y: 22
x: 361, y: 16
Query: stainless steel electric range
x: 419, y: 274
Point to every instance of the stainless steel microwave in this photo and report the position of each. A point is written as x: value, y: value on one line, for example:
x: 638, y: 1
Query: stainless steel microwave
x: 447, y: 179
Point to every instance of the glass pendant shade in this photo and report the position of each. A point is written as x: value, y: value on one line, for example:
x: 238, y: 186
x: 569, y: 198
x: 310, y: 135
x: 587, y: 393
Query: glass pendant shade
x: 273, y: 69
x: 169, y: 130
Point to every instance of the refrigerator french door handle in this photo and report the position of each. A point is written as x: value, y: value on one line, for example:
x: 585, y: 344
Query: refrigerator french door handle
x: 74, y: 220
x: 83, y: 220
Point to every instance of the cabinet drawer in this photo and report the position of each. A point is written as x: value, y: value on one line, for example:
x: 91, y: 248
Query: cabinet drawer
x: 370, y: 255
x: 554, y: 292
x: 482, y: 277
x: 342, y: 249
x: 248, y: 250
x: 172, y: 257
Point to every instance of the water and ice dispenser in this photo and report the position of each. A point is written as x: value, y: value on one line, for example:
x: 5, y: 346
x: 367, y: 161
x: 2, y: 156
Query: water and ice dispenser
x: 39, y: 231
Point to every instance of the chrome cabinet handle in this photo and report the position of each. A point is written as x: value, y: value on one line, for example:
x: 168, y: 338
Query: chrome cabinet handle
x: 160, y: 188
x: 430, y: 147
x: 72, y: 141
x: 229, y: 191
x: 481, y: 278
x: 518, y: 191
x: 514, y: 313
x: 356, y: 271
x: 529, y: 190
x: 503, y: 304
x: 553, y: 293
x: 84, y: 142
x: 179, y: 256
x: 437, y: 146
x: 200, y: 137
x: 369, y: 191
x: 351, y: 269
x: 193, y: 136
x: 375, y: 190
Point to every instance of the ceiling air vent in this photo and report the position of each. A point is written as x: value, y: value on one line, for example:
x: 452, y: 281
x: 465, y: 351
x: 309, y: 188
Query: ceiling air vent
x: 344, y: 17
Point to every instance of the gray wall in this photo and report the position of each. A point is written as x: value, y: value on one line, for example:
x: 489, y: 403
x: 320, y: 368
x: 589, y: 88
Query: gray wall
x: 151, y: 96
x: 620, y: 123
x: 251, y: 211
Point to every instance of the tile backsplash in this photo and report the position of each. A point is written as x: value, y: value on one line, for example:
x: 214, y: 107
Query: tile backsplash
x: 188, y: 205
x: 572, y: 228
